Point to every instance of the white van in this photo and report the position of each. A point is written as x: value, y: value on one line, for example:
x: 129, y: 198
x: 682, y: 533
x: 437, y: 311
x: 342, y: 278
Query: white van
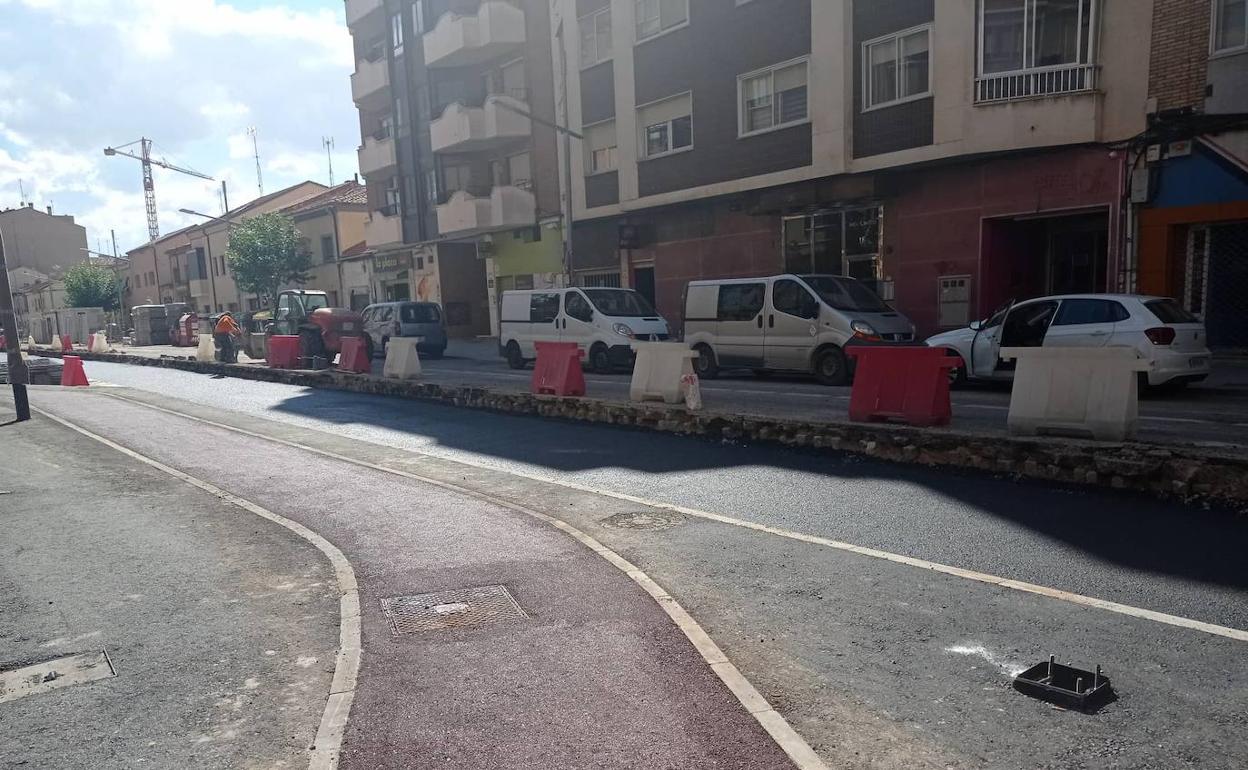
x: 787, y: 323
x: 602, y: 322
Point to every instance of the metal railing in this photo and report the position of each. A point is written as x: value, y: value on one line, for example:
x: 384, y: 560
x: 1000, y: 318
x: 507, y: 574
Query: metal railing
x: 1031, y: 83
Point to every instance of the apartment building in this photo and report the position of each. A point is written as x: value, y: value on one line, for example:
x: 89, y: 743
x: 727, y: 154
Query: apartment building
x: 40, y: 240
x: 953, y: 153
x: 458, y: 151
x: 1189, y: 170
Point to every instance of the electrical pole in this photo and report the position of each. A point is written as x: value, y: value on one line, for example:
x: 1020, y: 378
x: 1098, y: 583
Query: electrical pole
x: 18, y: 376
x: 328, y: 142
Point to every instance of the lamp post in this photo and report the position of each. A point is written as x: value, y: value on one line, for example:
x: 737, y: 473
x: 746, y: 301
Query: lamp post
x: 17, y: 367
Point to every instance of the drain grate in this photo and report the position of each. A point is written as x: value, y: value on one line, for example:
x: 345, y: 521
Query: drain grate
x: 450, y: 609
x: 647, y: 520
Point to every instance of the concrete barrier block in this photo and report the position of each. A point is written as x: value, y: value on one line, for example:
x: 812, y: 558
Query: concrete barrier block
x: 658, y: 371
x: 1087, y: 392
x: 402, y: 360
x: 205, y: 350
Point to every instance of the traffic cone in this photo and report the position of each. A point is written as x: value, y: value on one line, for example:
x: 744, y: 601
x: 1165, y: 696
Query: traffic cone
x: 72, y: 374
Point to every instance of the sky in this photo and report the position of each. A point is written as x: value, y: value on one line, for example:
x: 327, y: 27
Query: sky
x: 192, y: 75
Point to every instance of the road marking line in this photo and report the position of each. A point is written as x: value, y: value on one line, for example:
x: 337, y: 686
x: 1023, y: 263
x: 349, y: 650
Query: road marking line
x: 980, y: 577
x: 775, y: 725
x: 325, y: 752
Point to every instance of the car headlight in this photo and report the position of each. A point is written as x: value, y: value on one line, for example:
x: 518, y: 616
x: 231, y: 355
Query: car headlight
x: 622, y: 329
x: 863, y: 328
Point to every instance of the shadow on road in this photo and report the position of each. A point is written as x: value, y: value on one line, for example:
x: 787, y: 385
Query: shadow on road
x: 1123, y: 529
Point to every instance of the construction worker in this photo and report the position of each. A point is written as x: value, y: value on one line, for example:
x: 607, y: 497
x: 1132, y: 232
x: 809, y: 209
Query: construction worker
x: 223, y: 335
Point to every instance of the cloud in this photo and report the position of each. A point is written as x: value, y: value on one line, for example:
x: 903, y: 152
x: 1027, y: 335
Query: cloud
x: 79, y: 75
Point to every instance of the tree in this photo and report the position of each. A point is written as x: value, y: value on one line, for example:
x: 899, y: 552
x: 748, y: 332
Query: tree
x: 265, y: 256
x: 90, y: 285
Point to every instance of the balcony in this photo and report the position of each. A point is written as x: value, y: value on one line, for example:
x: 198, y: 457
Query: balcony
x: 506, y: 208
x: 199, y: 287
x: 359, y: 9
x: 457, y: 41
x: 1035, y: 83
x: 377, y: 154
x: 471, y: 129
x: 383, y: 228
x: 370, y: 83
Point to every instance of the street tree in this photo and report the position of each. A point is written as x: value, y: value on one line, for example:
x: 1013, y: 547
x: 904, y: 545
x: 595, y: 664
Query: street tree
x: 91, y: 285
x: 264, y: 255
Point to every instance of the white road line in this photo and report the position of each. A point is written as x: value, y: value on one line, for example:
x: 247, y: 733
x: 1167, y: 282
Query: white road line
x: 329, y: 735
x: 981, y: 577
x: 793, y: 744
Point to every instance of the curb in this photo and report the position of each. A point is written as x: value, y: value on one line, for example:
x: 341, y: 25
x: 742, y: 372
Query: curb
x: 1174, y: 472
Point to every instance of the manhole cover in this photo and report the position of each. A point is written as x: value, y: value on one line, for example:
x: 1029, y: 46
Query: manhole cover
x: 54, y: 674
x: 651, y: 520
x: 450, y: 609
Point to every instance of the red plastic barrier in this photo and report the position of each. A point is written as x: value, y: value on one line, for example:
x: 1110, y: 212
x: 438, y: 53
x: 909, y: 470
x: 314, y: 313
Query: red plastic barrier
x: 3, y: 343
x: 72, y: 374
x: 283, y: 351
x: 907, y: 383
x: 354, y: 356
x: 558, y: 370
x: 67, y: 342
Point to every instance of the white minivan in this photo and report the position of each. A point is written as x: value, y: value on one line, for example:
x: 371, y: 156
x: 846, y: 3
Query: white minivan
x: 602, y: 322
x: 787, y: 323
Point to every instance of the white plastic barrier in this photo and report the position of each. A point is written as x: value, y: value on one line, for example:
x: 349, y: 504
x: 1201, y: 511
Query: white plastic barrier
x: 402, y: 361
x: 98, y: 343
x: 31, y: 344
x: 663, y: 372
x: 206, y: 351
x: 1075, y: 391
x: 56, y: 342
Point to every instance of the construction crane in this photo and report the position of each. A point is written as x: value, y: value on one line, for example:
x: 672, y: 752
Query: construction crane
x: 149, y: 186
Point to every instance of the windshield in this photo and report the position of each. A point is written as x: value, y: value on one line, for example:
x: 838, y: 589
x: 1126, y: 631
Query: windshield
x: 420, y: 314
x: 314, y: 302
x: 1170, y: 312
x: 620, y: 302
x: 845, y: 294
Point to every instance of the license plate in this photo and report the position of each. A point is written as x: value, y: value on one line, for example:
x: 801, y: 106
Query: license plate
x: 1199, y: 362
x: 348, y: 327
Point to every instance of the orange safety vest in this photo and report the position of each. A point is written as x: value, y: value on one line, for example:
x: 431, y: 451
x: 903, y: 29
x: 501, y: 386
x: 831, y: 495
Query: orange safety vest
x: 226, y: 325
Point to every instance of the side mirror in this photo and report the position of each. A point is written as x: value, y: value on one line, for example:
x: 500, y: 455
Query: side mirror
x: 976, y: 325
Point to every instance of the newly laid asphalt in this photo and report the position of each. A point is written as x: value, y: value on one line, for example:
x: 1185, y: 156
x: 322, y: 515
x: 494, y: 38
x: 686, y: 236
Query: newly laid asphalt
x: 876, y: 663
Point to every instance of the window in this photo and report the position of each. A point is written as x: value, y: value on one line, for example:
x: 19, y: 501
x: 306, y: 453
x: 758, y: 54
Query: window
x: 1089, y: 311
x: 600, y: 147
x: 772, y: 98
x: 1170, y: 312
x: 740, y: 301
x: 666, y: 126
x: 200, y: 263
x: 418, y: 16
x: 655, y: 17
x: 1230, y: 25
x: 791, y: 298
x: 595, y: 37
x: 543, y: 308
x: 954, y: 298
x: 518, y: 171
x: 419, y: 314
x: 431, y: 185
x: 896, y: 68
x: 455, y: 177
x: 396, y: 33
x: 327, y: 248
x: 223, y: 266
x: 1025, y: 34
x: 577, y: 307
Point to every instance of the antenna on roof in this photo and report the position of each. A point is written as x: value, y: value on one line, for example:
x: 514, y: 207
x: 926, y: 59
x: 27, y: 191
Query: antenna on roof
x: 255, y: 146
x: 328, y: 143
x: 22, y: 188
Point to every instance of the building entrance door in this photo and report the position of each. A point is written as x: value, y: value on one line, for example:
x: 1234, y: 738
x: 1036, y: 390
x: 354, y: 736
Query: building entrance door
x: 643, y: 282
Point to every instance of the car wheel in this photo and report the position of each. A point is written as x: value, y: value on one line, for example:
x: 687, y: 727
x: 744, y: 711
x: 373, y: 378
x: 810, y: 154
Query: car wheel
x: 369, y: 352
x: 515, y: 359
x: 600, y: 358
x: 705, y: 365
x: 385, y: 346
x: 831, y: 367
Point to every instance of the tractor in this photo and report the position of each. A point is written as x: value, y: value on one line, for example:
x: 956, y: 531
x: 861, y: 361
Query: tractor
x: 320, y: 328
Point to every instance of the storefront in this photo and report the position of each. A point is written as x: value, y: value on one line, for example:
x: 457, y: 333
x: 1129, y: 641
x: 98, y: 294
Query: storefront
x: 963, y: 239
x: 391, y: 278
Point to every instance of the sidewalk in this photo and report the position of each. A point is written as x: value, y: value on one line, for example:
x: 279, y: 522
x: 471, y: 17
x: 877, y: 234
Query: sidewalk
x: 584, y: 670
x: 221, y: 627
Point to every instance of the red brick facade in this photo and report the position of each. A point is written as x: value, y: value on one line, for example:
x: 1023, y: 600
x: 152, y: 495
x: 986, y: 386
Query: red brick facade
x: 1179, y: 63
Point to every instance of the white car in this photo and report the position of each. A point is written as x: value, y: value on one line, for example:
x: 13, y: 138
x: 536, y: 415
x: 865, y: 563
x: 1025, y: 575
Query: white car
x: 1159, y: 328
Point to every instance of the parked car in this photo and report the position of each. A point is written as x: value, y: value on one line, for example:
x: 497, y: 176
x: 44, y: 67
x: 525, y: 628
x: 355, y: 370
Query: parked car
x: 787, y: 323
x: 602, y: 322
x: 1159, y: 328
x: 385, y: 320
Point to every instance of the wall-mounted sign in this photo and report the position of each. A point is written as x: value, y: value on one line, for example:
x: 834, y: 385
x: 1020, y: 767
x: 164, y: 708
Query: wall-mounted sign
x: 389, y: 263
